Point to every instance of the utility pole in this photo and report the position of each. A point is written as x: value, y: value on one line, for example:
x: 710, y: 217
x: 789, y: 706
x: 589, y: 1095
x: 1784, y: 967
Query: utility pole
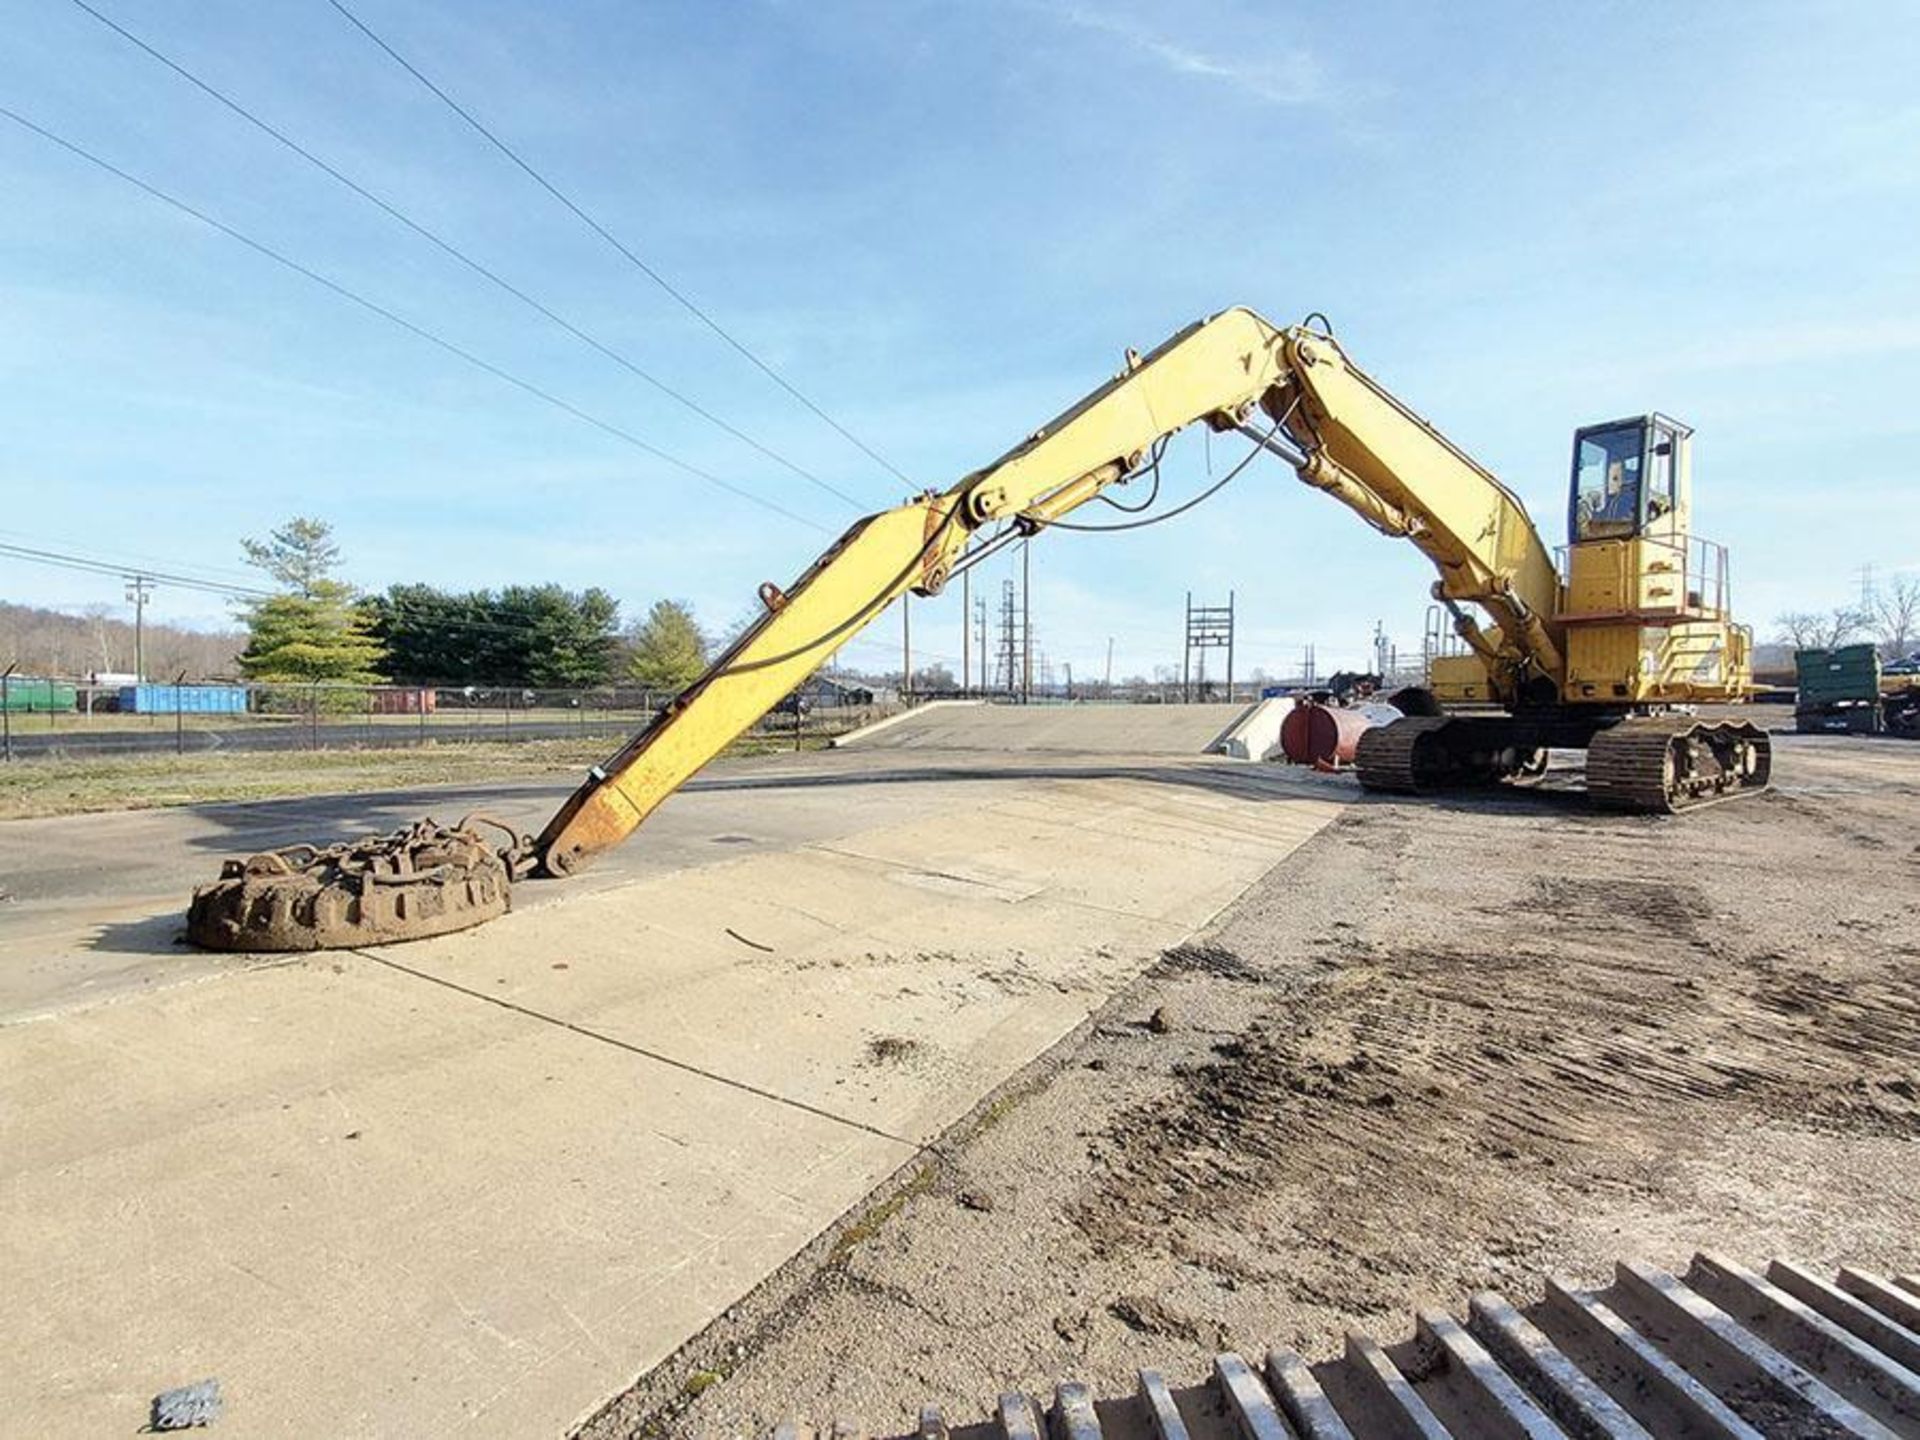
x: 139, y: 587
x: 1229, y: 647
x: 966, y: 633
x: 1109, y: 667
x: 1011, y: 645
x: 980, y: 619
x: 1026, y: 621
x: 906, y: 649
x: 1186, y: 654
x: 1209, y: 627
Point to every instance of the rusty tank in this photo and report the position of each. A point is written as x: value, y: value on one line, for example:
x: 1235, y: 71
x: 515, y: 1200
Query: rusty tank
x: 1325, y: 736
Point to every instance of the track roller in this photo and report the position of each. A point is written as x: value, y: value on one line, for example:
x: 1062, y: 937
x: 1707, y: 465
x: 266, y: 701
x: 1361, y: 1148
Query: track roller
x: 1448, y: 752
x: 1659, y: 764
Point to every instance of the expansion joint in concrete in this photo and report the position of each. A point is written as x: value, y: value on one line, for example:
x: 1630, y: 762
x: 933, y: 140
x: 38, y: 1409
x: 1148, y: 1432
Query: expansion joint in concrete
x: 588, y: 1033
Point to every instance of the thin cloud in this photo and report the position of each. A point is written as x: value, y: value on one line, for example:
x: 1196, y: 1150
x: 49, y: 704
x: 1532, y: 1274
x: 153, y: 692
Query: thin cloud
x: 1766, y: 347
x: 1285, y: 77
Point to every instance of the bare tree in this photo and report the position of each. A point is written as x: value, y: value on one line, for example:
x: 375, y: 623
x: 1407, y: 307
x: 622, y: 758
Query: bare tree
x: 49, y: 642
x: 98, y: 618
x: 1896, y: 616
x: 1820, y: 630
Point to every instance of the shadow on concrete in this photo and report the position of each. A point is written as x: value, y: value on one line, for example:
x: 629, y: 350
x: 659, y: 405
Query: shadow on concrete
x: 1495, y: 800
x: 157, y: 935
x: 1241, y: 779
x: 266, y: 824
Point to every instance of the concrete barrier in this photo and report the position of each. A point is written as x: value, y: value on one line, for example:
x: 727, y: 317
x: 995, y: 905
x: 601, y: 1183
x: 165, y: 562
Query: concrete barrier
x: 1256, y: 734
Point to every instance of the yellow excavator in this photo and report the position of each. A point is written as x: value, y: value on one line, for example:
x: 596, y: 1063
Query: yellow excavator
x: 1597, y: 652
x: 1603, y: 650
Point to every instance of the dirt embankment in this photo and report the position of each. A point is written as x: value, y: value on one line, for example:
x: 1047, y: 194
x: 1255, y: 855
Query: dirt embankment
x: 1442, y: 1047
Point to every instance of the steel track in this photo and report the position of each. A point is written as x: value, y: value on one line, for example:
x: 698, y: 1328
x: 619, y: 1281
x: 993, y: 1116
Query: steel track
x: 1722, y: 1352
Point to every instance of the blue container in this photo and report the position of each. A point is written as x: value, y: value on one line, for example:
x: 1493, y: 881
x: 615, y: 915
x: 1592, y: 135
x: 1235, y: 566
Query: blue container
x: 183, y: 699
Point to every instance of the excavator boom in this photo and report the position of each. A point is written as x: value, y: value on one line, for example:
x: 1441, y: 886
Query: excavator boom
x: 1292, y: 391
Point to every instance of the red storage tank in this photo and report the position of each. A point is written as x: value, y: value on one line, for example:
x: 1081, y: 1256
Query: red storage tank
x: 1325, y: 735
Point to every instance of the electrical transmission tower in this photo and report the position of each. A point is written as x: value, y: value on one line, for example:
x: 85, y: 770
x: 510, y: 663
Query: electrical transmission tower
x: 1209, y: 627
x: 1011, y: 654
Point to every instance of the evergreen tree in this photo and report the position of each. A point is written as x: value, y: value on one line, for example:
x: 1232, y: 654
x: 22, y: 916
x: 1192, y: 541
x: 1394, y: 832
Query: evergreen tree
x: 317, y: 630
x: 667, y: 650
x: 559, y: 639
x: 299, y: 555
x: 538, y: 635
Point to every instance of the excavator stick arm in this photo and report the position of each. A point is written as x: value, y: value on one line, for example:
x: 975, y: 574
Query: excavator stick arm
x: 876, y: 561
x: 1218, y: 370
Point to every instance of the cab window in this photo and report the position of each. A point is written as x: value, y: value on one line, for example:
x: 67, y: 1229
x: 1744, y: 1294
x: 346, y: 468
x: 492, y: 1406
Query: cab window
x: 1606, y: 483
x: 1660, y: 474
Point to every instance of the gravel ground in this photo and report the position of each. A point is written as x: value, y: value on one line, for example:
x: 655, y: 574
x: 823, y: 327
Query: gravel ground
x: 1444, y: 1046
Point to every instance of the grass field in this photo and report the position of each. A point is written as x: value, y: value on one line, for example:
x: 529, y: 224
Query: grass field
x: 69, y: 722
x: 145, y: 782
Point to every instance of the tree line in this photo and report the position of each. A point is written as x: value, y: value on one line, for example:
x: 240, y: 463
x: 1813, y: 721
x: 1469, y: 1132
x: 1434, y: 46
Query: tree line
x: 1888, y: 616
x: 95, y: 642
x: 317, y: 628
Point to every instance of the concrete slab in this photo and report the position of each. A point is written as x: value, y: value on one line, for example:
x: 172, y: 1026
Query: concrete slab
x: 1081, y: 729
x: 476, y: 1184
x: 95, y: 901
x: 373, y: 1207
x: 969, y: 947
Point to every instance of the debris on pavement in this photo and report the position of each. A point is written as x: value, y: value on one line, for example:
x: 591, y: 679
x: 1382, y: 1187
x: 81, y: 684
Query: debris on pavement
x: 426, y: 879
x: 187, y: 1407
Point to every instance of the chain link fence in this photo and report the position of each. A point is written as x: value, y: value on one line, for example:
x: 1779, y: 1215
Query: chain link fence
x: 73, y: 719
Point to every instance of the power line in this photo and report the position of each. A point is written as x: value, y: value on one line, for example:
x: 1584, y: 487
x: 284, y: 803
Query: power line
x: 130, y: 561
x: 423, y: 616
x: 652, y: 274
x: 454, y: 251
x: 103, y: 567
x: 205, y: 580
x: 394, y: 318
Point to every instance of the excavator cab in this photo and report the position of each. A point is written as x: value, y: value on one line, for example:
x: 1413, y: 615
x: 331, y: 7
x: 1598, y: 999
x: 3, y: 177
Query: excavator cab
x: 1629, y: 479
x: 1645, y: 602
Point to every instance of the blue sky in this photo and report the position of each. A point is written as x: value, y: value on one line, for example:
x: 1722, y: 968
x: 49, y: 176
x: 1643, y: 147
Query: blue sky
x: 944, y: 222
